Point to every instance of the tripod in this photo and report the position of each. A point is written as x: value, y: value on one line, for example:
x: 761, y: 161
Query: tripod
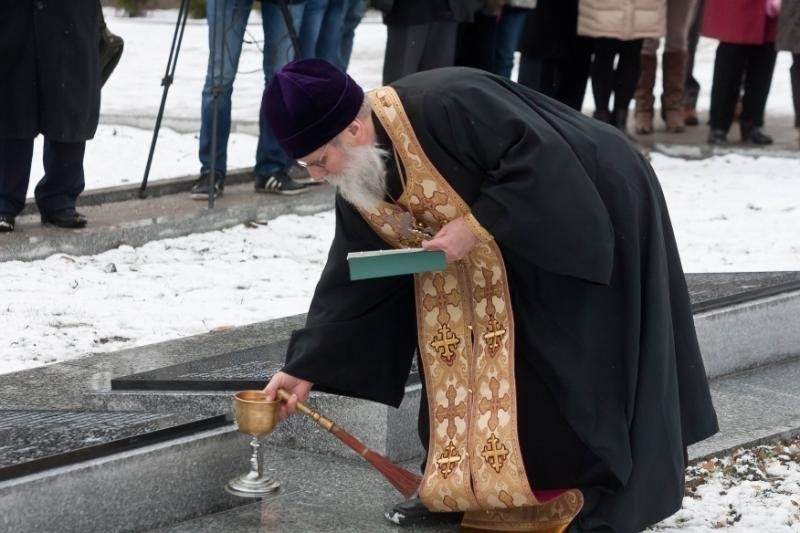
x: 217, y: 37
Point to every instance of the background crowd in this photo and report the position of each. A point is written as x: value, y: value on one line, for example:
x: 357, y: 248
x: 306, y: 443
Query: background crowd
x: 563, y: 45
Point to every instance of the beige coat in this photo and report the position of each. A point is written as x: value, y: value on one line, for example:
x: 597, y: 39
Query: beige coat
x: 622, y: 19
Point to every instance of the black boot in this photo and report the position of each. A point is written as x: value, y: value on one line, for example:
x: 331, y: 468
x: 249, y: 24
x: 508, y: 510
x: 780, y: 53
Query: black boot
x: 412, y: 511
x: 753, y: 135
x: 603, y: 115
x: 620, y: 120
x: 717, y: 137
x: 794, y: 76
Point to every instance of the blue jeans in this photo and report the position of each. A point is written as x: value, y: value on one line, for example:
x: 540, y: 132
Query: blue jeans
x: 509, y: 32
x: 330, y: 36
x: 228, y: 20
x: 353, y: 13
x: 313, y: 15
x: 328, y: 29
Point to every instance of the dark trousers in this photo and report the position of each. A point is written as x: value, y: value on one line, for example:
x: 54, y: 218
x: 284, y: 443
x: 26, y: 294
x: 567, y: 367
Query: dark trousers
x: 622, y: 81
x: 61, y: 185
x: 561, y: 78
x: 475, y: 43
x: 418, y: 47
x: 794, y: 73
x: 691, y: 88
x: 752, y: 62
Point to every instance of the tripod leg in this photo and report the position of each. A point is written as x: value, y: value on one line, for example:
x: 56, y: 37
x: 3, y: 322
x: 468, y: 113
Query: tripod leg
x: 287, y: 19
x: 172, y: 62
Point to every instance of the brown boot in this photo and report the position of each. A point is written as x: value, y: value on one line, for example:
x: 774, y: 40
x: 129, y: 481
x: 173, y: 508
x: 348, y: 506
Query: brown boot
x: 690, y: 115
x: 674, y: 76
x: 643, y: 111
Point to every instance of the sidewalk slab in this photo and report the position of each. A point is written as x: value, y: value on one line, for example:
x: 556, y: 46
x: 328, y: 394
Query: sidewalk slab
x: 692, y: 144
x: 137, y: 221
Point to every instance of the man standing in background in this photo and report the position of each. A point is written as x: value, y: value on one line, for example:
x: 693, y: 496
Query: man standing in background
x: 50, y: 54
x: 227, y: 22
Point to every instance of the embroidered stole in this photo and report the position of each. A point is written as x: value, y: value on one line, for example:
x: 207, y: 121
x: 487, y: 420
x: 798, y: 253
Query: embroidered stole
x: 466, y: 338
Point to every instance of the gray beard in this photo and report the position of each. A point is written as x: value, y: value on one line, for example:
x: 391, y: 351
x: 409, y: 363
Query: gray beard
x: 362, y: 182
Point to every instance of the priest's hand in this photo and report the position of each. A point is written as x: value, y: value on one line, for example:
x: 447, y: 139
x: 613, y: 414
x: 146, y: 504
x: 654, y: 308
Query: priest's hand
x: 455, y: 239
x: 298, y: 388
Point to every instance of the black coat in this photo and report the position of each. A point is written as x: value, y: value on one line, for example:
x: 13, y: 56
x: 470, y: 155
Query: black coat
x: 600, y: 302
x: 408, y: 12
x: 551, y: 31
x: 50, y: 81
x: 789, y: 27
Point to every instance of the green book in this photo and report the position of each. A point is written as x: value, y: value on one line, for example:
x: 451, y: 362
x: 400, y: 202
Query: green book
x: 383, y: 263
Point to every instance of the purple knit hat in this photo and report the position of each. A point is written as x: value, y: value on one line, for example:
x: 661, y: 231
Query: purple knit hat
x: 309, y: 102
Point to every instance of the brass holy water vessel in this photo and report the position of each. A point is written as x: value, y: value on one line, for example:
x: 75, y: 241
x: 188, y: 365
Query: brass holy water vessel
x: 255, y: 416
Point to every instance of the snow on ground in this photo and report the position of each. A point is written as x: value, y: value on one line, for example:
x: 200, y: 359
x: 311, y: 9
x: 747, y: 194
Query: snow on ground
x: 734, y: 213
x: 754, y: 490
x: 62, y: 307
x: 730, y: 213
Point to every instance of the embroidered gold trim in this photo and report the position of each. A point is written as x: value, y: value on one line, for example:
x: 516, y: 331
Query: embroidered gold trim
x: 478, y: 230
x: 466, y: 339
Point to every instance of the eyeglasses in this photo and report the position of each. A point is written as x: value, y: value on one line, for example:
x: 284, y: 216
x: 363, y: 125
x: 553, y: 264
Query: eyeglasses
x: 319, y: 163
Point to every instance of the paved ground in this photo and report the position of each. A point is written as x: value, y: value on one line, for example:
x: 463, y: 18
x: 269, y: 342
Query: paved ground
x: 322, y: 494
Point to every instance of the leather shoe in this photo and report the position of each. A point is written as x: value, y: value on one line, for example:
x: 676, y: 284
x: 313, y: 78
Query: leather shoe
x: 412, y: 511
x: 64, y: 218
x: 6, y: 223
x: 717, y: 137
x: 754, y: 135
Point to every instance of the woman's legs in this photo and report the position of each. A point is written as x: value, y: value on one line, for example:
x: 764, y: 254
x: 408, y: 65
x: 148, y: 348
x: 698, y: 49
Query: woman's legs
x: 602, y: 72
x: 729, y: 65
x: 758, y: 78
x: 625, y: 79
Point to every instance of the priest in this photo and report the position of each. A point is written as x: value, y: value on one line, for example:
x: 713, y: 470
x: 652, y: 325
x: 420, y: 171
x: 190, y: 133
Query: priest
x: 562, y: 376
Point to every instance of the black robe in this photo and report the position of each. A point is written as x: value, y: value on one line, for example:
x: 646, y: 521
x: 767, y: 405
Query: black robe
x: 611, y: 382
x: 50, y: 58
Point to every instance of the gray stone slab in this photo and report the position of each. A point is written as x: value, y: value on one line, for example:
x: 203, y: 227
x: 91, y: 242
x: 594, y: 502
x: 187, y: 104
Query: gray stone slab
x: 714, y: 290
x: 136, y: 490
x: 232, y: 371
x: 316, y: 495
x: 34, y: 440
x: 69, y: 383
x: 386, y: 430
x: 748, y: 334
x: 154, y: 189
x: 753, y: 406
x: 135, y: 222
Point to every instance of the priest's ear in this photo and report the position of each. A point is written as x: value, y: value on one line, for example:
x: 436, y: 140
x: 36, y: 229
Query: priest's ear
x: 356, y: 132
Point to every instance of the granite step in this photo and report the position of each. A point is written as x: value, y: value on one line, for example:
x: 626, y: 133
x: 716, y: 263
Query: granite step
x: 742, y: 319
x: 328, y: 494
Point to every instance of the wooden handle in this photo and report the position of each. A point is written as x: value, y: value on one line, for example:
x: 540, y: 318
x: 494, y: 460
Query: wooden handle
x: 306, y: 410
